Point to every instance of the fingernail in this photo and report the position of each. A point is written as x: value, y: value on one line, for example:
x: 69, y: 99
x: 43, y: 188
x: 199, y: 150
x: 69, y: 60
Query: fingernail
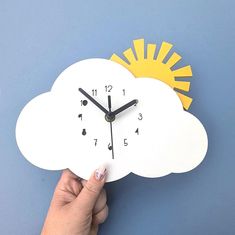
x: 100, y: 173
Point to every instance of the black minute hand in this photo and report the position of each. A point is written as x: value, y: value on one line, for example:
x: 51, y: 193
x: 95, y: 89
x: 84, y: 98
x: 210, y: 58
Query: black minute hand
x: 93, y: 100
x: 124, y: 107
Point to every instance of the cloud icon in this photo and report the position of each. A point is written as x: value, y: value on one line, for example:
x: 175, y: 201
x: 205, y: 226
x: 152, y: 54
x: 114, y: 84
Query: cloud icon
x: 63, y: 128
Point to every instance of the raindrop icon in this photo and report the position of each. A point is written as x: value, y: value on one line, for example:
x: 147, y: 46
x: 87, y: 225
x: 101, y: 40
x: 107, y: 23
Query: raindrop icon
x: 84, y: 102
x: 84, y: 131
x: 110, y: 147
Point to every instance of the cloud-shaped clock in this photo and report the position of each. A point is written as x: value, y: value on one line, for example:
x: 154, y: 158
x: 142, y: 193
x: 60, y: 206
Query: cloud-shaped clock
x: 98, y: 113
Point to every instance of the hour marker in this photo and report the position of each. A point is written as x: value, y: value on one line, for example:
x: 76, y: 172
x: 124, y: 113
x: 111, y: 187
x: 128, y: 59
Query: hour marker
x: 94, y: 92
x: 140, y: 117
x: 84, y: 102
x: 80, y: 116
x: 84, y: 132
x: 110, y: 147
x: 108, y: 88
x: 137, y: 131
x: 95, y: 141
x: 125, y: 142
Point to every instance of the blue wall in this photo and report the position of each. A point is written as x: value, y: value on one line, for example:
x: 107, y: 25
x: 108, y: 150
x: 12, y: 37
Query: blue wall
x: 39, y: 39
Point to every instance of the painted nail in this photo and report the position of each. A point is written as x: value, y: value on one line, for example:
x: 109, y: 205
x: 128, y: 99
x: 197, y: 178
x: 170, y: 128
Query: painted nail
x: 100, y: 173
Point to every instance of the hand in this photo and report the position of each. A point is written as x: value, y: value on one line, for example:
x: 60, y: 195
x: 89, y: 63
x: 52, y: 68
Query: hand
x: 124, y: 107
x: 77, y: 207
x: 110, y: 123
x: 93, y: 100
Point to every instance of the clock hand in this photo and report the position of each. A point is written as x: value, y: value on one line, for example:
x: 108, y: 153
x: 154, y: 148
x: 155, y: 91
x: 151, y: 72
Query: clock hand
x: 109, y: 103
x: 93, y: 100
x: 109, y: 119
x: 124, y: 107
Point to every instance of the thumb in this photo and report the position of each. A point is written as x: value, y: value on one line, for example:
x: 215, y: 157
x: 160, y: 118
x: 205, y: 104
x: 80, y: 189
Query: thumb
x: 91, y: 190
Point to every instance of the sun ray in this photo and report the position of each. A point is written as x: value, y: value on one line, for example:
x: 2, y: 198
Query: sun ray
x: 151, y: 48
x: 184, y: 86
x: 186, y: 100
x: 139, y: 48
x: 164, y: 50
x: 118, y: 60
x: 129, y: 55
x: 185, y: 71
x: 140, y: 66
x: 173, y: 59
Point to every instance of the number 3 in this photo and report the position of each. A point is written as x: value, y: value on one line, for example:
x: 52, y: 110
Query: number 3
x: 140, y: 116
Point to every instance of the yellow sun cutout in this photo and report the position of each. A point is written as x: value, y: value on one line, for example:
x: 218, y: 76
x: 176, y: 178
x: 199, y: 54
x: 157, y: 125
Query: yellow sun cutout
x: 149, y: 66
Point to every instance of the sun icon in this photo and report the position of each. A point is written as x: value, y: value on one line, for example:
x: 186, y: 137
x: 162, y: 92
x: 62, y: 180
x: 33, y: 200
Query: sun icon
x: 154, y: 66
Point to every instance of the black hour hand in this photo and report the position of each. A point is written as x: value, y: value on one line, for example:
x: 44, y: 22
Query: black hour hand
x: 124, y: 107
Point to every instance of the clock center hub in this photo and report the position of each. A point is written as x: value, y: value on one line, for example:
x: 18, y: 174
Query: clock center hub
x: 109, y: 117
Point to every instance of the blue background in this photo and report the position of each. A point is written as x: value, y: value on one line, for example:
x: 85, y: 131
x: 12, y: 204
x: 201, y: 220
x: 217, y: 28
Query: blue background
x: 39, y: 39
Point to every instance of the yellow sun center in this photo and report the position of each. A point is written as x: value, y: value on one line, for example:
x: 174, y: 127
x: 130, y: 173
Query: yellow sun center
x: 141, y: 66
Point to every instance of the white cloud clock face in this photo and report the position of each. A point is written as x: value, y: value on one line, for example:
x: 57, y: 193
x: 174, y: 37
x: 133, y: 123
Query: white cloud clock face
x: 109, y: 122
x: 98, y: 113
x: 101, y: 123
